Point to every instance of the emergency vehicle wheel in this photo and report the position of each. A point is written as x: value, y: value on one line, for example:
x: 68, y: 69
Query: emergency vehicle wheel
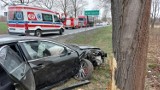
x: 38, y: 33
x: 60, y: 32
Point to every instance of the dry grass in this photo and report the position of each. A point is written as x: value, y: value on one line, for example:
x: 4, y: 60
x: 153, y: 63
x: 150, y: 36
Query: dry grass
x: 100, y: 38
x: 99, y: 80
x: 153, y: 65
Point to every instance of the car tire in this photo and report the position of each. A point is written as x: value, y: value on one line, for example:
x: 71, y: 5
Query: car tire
x: 86, y: 70
x: 38, y: 33
x: 60, y: 32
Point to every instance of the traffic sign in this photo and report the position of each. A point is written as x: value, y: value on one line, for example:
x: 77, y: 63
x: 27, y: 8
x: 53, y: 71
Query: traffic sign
x: 92, y: 12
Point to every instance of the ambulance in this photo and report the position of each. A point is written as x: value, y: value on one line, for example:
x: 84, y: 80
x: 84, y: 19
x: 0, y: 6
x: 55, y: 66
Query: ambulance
x: 27, y: 20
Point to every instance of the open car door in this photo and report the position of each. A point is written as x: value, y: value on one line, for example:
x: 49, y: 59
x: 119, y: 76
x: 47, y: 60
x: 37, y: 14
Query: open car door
x: 18, y: 70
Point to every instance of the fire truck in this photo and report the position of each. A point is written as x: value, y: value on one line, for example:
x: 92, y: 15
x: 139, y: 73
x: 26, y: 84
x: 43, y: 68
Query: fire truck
x: 71, y: 23
x: 85, y: 21
x: 23, y: 19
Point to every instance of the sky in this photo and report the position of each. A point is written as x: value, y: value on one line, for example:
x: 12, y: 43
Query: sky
x: 90, y: 5
x: 2, y: 11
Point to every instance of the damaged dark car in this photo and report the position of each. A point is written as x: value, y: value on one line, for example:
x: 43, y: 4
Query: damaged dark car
x: 30, y: 63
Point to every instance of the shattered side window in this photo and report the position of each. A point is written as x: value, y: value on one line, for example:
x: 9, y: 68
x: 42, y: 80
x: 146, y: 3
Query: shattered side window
x: 9, y: 59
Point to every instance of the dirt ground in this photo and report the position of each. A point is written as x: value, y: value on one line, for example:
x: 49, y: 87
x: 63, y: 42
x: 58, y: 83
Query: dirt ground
x: 153, y: 62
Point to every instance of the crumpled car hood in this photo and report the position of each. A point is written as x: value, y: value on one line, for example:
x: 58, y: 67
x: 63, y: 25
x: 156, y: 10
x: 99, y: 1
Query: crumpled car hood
x: 86, y: 47
x: 82, y: 47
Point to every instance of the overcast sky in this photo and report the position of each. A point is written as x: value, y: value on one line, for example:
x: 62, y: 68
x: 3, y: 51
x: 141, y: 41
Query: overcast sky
x: 91, y: 4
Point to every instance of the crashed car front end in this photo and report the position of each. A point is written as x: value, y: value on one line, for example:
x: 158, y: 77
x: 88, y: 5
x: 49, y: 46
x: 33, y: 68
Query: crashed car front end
x: 93, y: 54
x: 96, y: 56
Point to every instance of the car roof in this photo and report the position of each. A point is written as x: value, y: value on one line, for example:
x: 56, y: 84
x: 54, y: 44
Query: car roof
x: 11, y: 38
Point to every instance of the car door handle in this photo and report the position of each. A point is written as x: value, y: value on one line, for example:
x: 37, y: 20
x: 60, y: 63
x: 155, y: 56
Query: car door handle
x: 39, y: 66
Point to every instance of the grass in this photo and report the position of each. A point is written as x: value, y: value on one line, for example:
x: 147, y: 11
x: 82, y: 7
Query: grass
x: 3, y: 27
x: 101, y: 38
x: 153, y: 60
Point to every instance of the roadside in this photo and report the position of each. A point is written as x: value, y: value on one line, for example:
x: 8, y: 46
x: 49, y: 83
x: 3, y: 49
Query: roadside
x: 101, y: 38
x: 153, y: 61
x: 3, y: 27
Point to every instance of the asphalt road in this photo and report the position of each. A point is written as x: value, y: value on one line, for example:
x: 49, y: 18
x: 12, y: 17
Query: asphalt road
x: 68, y: 32
x: 72, y: 31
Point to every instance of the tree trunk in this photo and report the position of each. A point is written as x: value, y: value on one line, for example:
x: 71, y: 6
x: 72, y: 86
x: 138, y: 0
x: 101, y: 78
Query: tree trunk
x: 65, y: 8
x: 130, y: 42
x: 75, y: 13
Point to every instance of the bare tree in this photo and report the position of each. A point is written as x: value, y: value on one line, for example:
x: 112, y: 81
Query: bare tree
x: 130, y: 42
x: 5, y: 3
x: 60, y: 5
x: 63, y: 5
x: 77, y: 5
x: 155, y: 8
x: 49, y: 4
x: 106, y: 6
x: 103, y: 3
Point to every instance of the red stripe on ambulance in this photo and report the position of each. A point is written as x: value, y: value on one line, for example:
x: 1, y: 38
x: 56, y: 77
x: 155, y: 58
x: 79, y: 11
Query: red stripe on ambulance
x: 18, y: 25
x: 29, y: 25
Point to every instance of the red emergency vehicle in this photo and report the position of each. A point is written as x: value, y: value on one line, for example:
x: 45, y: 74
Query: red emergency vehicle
x: 85, y: 21
x: 24, y: 19
x: 82, y: 21
x: 71, y: 23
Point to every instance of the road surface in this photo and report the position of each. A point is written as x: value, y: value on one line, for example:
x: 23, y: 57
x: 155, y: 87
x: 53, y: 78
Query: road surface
x: 68, y: 32
x: 71, y: 31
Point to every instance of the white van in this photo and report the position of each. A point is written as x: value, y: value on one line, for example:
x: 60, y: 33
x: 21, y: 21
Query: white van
x: 33, y: 20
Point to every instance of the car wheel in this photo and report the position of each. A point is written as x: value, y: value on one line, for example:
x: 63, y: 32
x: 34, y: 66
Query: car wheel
x: 85, y: 72
x: 60, y: 32
x: 38, y: 33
